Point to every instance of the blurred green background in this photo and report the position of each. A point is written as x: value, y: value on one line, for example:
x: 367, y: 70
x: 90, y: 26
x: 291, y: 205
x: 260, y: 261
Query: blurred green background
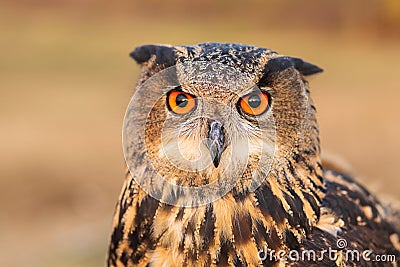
x: 66, y: 78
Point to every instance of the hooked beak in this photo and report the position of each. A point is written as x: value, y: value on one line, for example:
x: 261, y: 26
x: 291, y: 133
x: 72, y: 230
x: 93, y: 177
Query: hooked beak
x: 216, y: 142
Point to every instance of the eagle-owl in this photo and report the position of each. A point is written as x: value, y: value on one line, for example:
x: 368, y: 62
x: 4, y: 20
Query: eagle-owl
x: 224, y: 168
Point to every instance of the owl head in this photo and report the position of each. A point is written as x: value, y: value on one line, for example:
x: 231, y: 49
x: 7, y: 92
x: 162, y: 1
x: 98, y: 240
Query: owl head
x: 217, y: 117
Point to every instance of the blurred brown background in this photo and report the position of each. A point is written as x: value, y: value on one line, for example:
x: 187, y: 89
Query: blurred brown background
x: 66, y: 78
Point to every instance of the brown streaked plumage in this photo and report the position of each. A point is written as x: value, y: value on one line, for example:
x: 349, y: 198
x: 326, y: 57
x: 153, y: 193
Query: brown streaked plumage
x: 299, y: 205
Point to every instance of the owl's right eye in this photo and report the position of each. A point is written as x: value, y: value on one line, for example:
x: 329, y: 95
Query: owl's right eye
x: 180, y: 102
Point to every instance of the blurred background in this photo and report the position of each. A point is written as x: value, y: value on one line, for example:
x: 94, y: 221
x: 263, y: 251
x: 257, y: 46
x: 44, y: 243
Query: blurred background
x: 66, y: 79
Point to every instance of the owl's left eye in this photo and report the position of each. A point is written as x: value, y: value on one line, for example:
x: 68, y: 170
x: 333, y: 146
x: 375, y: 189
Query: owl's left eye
x: 180, y: 102
x: 254, y: 104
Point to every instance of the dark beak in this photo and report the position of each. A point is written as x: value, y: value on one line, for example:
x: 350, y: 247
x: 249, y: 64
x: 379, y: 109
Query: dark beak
x: 216, y: 141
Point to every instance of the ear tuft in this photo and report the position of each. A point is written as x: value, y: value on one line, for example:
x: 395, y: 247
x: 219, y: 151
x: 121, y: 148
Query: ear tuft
x: 304, y: 67
x: 281, y: 63
x: 165, y: 55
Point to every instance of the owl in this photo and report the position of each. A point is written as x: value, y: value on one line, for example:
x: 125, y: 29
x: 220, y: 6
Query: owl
x: 224, y: 169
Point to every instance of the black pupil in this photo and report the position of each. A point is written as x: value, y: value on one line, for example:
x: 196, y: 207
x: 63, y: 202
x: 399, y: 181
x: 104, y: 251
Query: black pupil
x: 181, y: 100
x: 254, y: 101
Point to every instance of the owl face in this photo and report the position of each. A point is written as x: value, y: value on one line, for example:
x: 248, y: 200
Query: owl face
x: 206, y: 126
x: 216, y: 118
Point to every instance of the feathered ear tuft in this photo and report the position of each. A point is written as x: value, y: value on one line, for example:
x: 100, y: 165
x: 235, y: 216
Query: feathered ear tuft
x: 281, y: 63
x: 165, y: 55
x: 304, y: 67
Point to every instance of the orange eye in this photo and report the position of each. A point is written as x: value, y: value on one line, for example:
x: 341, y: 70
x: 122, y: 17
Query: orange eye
x: 180, y: 102
x: 255, y: 103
